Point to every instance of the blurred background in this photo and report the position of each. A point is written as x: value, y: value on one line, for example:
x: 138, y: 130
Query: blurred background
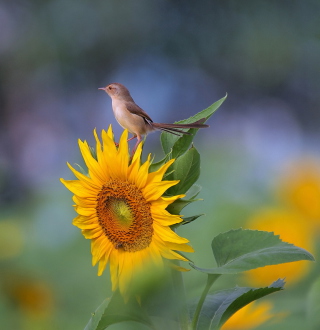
x: 260, y: 156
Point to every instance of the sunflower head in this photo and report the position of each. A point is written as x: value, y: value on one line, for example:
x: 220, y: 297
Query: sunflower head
x: 121, y: 208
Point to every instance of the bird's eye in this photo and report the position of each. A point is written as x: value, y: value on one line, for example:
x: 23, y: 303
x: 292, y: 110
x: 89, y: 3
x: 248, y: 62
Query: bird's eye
x: 109, y: 87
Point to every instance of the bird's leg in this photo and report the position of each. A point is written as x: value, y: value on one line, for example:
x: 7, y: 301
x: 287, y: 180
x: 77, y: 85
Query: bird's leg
x: 136, y: 145
x: 133, y: 137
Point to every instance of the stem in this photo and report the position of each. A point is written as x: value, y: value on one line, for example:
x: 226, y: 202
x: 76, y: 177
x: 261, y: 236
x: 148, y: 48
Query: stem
x: 210, y: 280
x: 178, y: 284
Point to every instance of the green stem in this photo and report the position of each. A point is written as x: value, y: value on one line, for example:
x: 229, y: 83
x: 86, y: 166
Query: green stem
x: 178, y: 284
x: 211, y: 279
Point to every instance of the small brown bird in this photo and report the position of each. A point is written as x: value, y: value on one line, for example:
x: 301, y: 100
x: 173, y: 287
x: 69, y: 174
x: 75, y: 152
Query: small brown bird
x: 131, y: 117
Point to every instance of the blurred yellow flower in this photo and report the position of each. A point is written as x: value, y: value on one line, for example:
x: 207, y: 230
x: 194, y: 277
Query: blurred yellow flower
x: 292, y: 228
x: 299, y: 188
x: 122, y: 211
x: 33, y: 297
x: 250, y: 316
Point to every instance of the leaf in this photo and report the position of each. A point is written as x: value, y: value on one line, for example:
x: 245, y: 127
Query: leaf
x: 180, y: 145
x: 313, y: 306
x: 115, y: 310
x: 220, y: 306
x: 240, y: 250
x: 96, y: 316
x: 186, y: 169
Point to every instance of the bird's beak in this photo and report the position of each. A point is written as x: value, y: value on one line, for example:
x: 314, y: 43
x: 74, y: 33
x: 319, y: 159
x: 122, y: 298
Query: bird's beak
x: 102, y: 88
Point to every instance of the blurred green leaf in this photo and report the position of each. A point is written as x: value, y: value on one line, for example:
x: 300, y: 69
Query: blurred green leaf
x: 96, y: 316
x: 220, y: 306
x: 186, y: 168
x: 180, y: 144
x: 240, y: 250
x: 313, y: 306
x: 115, y: 310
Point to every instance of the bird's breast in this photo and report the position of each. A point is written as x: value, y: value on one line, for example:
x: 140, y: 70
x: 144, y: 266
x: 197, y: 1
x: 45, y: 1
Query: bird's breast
x: 135, y: 124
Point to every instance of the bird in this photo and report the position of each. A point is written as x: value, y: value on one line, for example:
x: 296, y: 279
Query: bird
x: 131, y: 117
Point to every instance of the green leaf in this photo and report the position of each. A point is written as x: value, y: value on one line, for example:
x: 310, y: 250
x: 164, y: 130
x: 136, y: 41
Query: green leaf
x: 220, y: 306
x: 186, y: 169
x: 313, y: 306
x: 179, y: 145
x: 96, y: 316
x: 115, y: 310
x: 240, y: 250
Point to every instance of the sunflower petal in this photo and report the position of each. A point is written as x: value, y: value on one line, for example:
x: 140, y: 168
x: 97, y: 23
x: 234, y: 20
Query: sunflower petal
x: 158, y: 175
x: 153, y: 191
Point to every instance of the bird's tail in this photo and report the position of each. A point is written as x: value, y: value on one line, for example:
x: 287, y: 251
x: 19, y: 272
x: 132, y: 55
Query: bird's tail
x: 176, y: 128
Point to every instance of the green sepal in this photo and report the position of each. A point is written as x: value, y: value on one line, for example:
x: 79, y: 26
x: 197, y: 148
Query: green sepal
x: 82, y: 170
x: 240, y: 250
x: 187, y: 220
x: 180, y: 144
x: 93, y: 152
x: 178, y: 205
x: 155, y: 166
x: 221, y: 305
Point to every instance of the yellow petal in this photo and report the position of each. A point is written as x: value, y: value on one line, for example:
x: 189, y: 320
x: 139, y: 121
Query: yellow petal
x: 158, y: 175
x: 142, y: 176
x: 154, y: 191
x: 114, y: 268
x: 168, y: 235
x: 179, y: 247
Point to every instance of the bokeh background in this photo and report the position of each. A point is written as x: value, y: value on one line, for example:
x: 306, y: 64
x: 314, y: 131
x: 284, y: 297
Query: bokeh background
x: 260, y: 156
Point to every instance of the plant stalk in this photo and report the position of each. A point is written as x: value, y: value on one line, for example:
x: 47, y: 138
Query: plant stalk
x: 210, y: 280
x: 183, y: 313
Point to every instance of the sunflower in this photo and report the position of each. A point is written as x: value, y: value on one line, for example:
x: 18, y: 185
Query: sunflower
x: 121, y: 209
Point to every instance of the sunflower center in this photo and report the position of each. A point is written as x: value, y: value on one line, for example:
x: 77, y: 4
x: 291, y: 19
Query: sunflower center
x: 125, y: 216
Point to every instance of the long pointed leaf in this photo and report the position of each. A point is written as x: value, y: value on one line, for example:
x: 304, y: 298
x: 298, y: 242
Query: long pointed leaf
x: 240, y: 250
x: 180, y: 145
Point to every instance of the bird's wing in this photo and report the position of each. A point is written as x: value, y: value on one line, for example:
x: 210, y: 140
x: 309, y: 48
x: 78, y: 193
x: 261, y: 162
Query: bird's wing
x: 135, y: 109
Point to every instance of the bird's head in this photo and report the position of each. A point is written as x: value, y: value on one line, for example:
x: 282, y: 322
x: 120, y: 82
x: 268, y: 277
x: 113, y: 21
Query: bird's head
x: 116, y: 90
